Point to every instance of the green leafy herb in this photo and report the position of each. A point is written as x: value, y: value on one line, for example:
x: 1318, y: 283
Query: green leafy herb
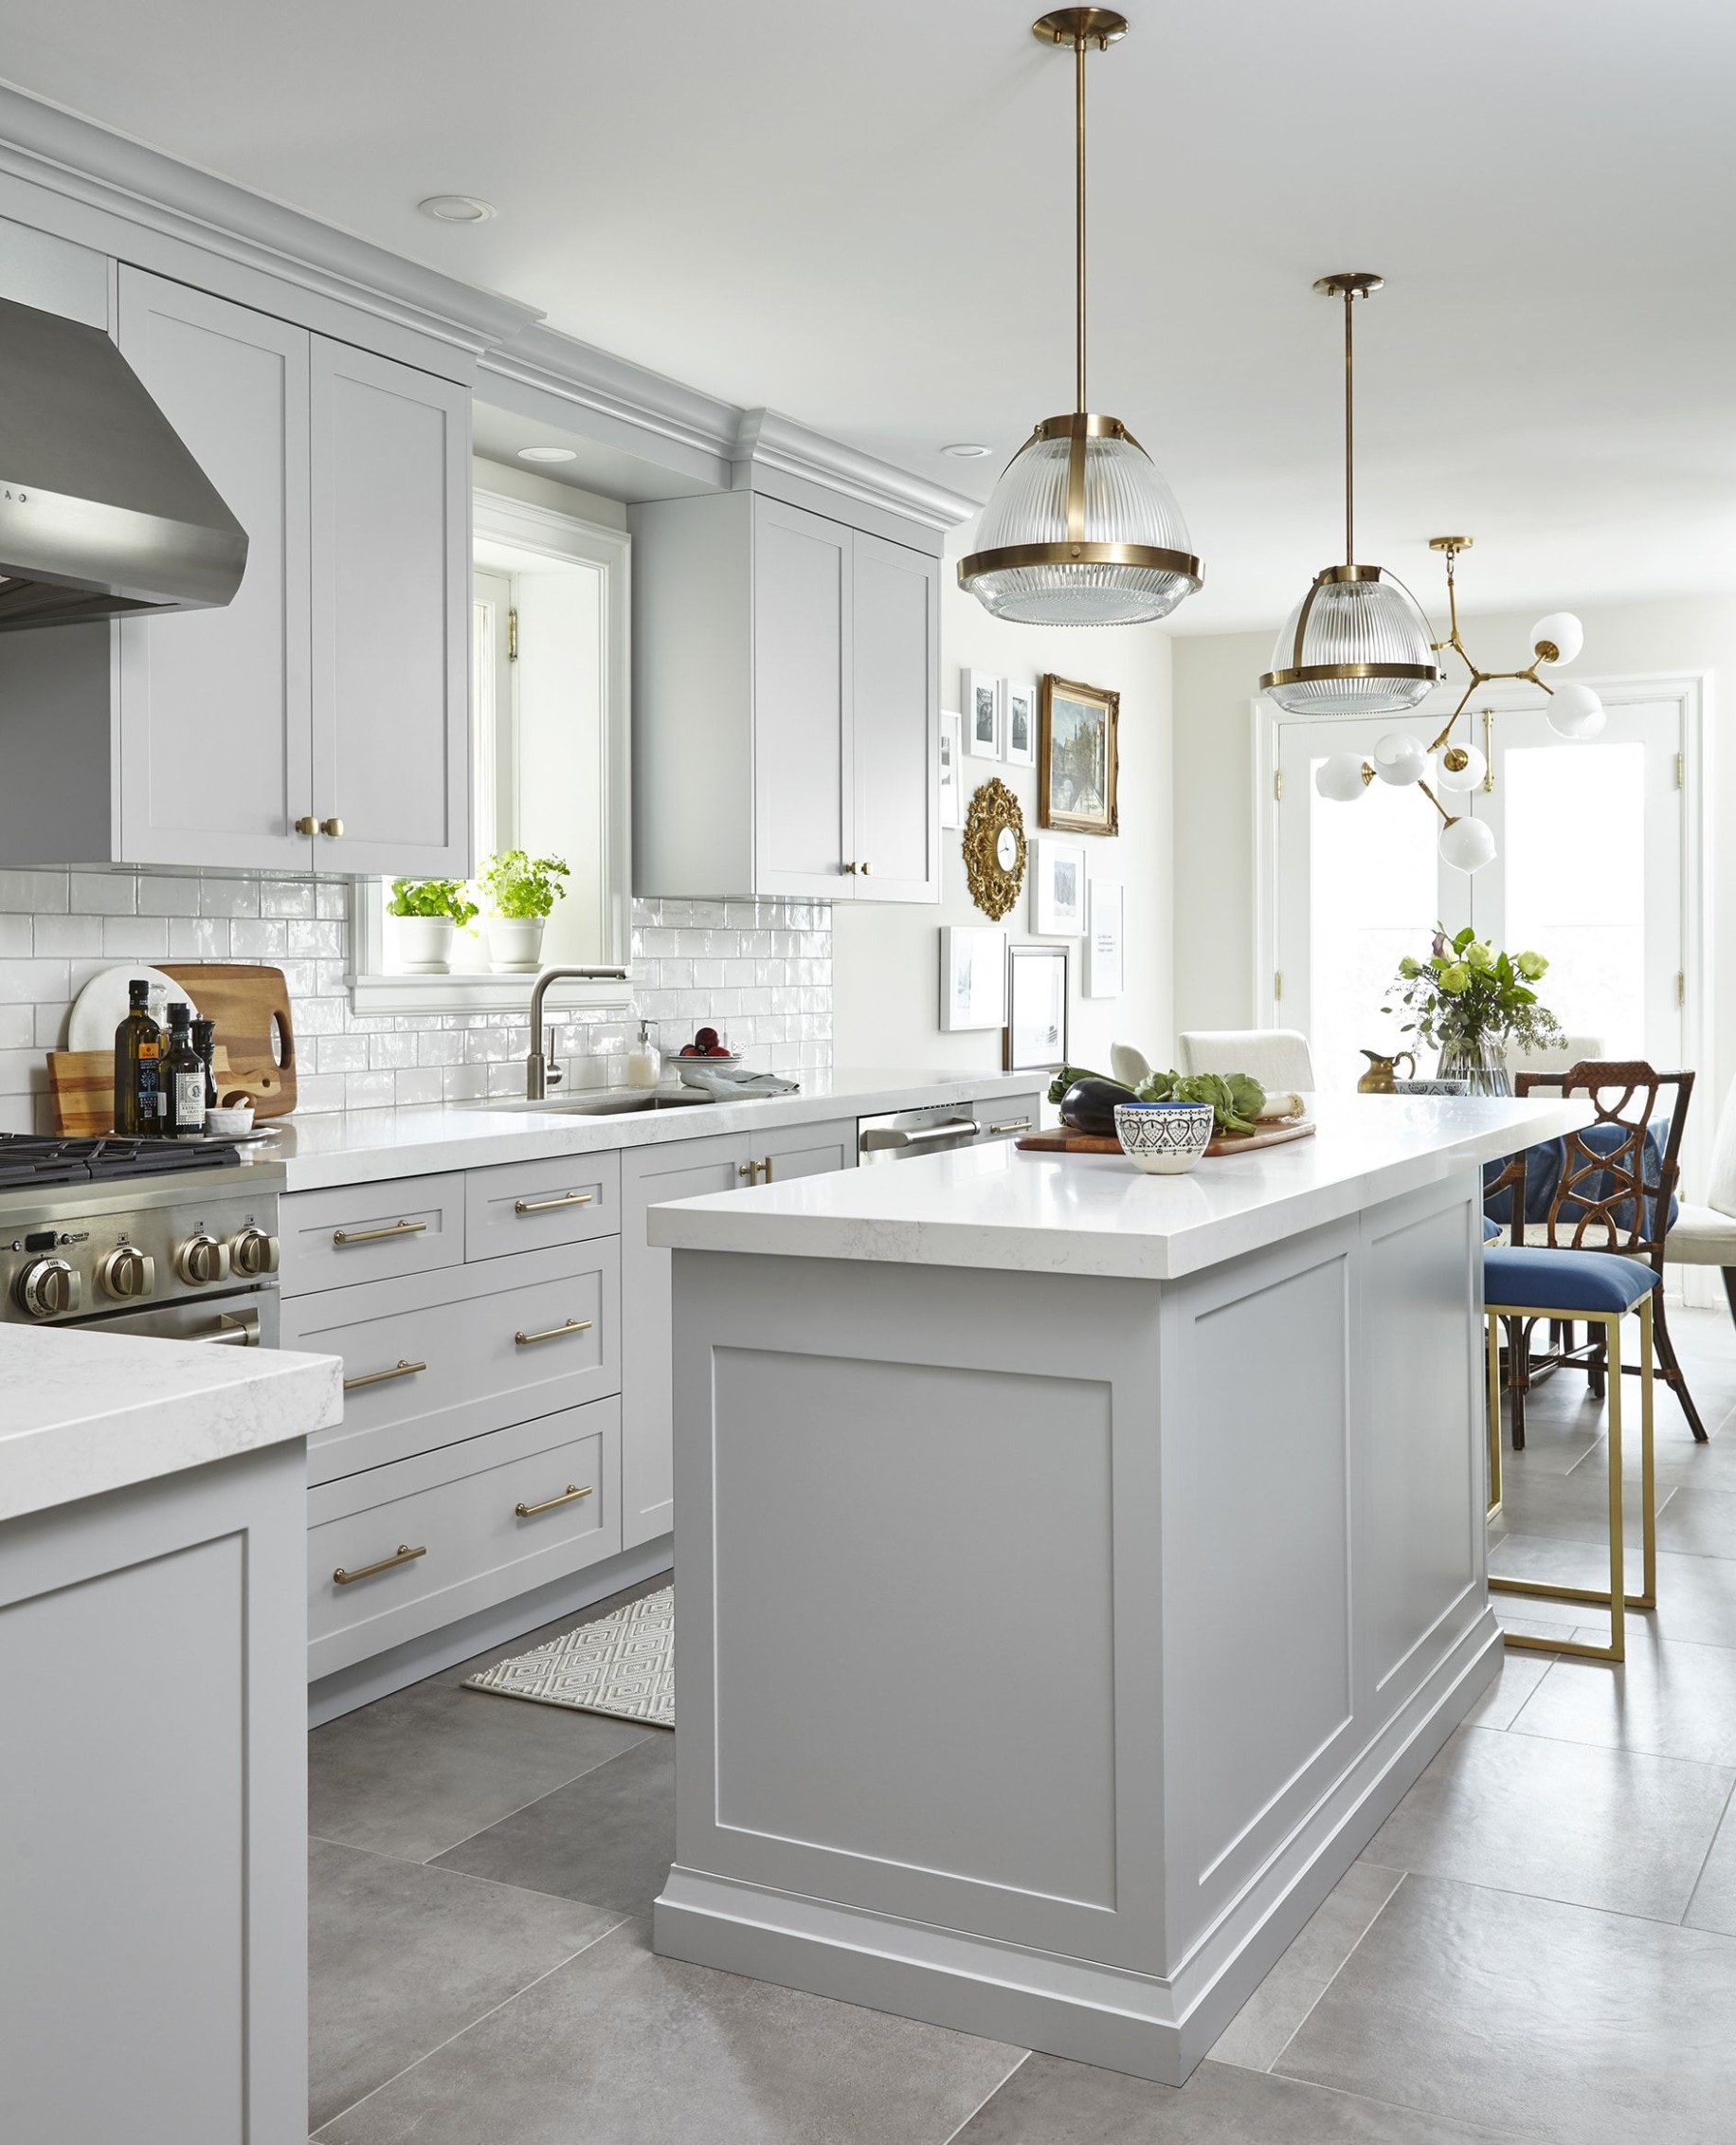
x: 431, y: 898
x: 518, y: 887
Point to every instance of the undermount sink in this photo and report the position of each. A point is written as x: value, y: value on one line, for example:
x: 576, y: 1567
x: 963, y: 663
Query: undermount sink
x: 592, y: 1102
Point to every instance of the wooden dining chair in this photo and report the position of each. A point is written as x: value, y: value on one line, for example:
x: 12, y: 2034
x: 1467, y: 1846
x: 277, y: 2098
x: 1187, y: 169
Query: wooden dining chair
x: 1611, y: 1196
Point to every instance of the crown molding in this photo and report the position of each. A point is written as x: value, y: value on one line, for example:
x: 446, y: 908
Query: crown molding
x: 543, y: 358
x: 767, y: 441
x: 67, y: 153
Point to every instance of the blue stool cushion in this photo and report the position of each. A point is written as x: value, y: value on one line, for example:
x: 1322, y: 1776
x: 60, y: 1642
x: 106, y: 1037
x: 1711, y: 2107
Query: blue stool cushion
x: 1490, y: 1229
x: 1536, y: 1279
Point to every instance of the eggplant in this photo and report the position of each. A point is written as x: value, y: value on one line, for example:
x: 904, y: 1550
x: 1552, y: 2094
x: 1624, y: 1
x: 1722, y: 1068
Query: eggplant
x: 1088, y: 1104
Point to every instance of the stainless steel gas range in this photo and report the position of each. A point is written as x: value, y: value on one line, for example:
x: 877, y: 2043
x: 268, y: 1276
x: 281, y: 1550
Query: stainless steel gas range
x: 139, y: 1236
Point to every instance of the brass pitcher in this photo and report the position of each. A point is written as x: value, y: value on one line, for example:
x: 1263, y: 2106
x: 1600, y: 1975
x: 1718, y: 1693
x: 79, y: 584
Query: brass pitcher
x: 1378, y: 1079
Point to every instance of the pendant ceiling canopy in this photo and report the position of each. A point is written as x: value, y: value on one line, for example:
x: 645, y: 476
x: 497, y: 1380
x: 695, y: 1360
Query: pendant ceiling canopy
x: 1081, y: 529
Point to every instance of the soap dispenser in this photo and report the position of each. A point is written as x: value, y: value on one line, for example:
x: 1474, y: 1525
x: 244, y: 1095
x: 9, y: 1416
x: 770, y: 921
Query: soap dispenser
x: 644, y: 1060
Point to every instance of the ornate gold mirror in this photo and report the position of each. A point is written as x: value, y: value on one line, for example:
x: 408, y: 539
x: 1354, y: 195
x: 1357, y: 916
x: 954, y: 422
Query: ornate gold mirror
x: 994, y: 849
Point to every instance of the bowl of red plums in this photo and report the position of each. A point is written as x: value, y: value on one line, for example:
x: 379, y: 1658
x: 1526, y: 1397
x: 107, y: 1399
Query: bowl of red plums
x: 707, y: 1052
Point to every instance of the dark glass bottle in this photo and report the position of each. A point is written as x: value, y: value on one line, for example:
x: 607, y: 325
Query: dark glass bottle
x: 204, y: 1035
x: 183, y: 1076
x: 139, y: 1065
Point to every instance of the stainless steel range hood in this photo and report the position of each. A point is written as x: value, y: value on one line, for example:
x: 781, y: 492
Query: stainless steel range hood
x: 103, y: 511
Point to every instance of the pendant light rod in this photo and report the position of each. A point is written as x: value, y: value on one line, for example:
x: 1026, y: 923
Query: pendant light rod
x: 1350, y: 285
x: 1081, y: 28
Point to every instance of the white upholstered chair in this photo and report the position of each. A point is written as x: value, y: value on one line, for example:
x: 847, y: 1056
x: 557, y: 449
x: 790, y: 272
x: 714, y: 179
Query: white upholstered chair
x: 1278, y: 1057
x: 1556, y: 1057
x: 1706, y: 1236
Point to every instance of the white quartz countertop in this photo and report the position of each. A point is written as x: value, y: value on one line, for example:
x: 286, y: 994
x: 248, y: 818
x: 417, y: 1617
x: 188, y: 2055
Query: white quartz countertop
x: 90, y: 1412
x: 995, y: 1207
x: 365, y: 1146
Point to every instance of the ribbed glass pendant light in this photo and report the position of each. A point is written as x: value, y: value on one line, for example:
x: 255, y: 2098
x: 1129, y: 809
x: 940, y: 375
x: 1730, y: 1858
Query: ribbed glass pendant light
x: 1356, y: 643
x: 1081, y: 529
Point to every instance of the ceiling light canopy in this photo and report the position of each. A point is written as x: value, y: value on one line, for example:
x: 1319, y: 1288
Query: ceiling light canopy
x: 457, y: 208
x: 1356, y: 643
x: 1081, y: 529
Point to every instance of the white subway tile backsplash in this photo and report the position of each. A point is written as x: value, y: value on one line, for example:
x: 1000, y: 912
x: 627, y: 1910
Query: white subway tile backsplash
x: 104, y: 893
x: 34, y: 893
x: 135, y: 937
x: 168, y: 897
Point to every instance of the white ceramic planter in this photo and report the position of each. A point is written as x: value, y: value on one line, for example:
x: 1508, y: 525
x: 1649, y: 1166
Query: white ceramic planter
x: 424, y: 944
x: 515, y: 944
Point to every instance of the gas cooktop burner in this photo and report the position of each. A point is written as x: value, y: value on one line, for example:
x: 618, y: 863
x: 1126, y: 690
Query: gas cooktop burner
x: 28, y: 1159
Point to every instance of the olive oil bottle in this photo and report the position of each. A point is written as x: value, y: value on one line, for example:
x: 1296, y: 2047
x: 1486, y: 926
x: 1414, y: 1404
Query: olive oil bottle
x: 139, y: 1066
x: 184, y: 1075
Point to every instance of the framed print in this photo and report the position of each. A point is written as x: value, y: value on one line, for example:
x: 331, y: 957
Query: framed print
x: 1060, y: 890
x: 1035, y: 1039
x: 1105, y: 902
x: 1076, y: 756
x: 1019, y: 724
x: 951, y: 786
x: 972, y: 978
x: 982, y: 695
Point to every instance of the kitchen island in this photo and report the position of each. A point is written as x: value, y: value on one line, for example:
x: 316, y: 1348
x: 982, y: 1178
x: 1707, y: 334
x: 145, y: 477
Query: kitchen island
x: 1075, y: 1567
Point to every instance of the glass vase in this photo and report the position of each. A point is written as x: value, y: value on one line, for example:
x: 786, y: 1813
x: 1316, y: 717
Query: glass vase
x: 1480, y: 1063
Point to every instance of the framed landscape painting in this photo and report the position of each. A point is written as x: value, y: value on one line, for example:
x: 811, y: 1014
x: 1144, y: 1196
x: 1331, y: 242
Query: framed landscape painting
x: 1077, y: 757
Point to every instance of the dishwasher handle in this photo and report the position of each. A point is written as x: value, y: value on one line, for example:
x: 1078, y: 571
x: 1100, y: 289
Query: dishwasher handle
x: 882, y: 1139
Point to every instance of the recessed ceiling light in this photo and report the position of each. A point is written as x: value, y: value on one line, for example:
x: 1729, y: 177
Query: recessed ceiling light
x: 548, y: 454
x: 457, y: 208
x: 968, y: 450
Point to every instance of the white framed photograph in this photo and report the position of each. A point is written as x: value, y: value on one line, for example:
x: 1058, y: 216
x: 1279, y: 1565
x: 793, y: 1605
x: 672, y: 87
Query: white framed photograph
x: 972, y: 978
x: 1019, y: 723
x: 1058, y: 889
x: 1105, y: 916
x: 951, y: 782
x: 982, y: 695
x: 1035, y: 1038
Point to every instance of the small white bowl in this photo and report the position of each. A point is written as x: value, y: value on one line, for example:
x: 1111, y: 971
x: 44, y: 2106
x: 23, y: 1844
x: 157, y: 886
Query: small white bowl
x: 223, y: 1124
x: 1164, y: 1139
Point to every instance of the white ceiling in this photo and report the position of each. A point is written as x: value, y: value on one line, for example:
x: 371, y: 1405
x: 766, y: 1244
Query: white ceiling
x: 857, y: 211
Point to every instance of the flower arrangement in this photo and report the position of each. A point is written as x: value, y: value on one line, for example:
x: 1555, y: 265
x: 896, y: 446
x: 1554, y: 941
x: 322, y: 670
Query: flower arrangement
x: 519, y: 887
x: 431, y: 898
x: 1467, y: 995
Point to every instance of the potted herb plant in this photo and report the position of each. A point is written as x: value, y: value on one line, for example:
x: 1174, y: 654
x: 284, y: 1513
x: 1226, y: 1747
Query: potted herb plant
x: 1472, y: 1001
x: 520, y: 891
x: 425, y: 913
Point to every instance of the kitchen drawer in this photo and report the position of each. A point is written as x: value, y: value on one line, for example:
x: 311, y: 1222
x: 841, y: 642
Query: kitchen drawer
x: 364, y: 1232
x: 460, y: 1507
x: 523, y: 1206
x: 433, y: 1358
x: 1005, y: 1117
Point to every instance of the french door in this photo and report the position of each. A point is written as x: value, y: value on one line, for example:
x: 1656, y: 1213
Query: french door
x: 1588, y: 870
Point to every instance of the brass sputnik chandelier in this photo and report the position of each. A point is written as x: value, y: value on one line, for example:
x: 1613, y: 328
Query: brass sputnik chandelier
x: 1081, y: 529
x: 1573, y: 711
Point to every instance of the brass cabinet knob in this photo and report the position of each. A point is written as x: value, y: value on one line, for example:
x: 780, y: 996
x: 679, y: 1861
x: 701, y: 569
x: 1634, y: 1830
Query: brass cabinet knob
x: 864, y: 869
x: 332, y: 826
x: 307, y: 824
x: 848, y: 869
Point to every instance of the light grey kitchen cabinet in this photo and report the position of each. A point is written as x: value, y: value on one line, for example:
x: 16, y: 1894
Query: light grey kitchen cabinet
x: 785, y: 693
x: 318, y: 721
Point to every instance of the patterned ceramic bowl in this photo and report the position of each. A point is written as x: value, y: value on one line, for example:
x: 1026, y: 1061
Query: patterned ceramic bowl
x: 1164, y: 1137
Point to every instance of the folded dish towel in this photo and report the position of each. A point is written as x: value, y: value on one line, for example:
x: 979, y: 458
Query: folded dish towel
x: 726, y: 1086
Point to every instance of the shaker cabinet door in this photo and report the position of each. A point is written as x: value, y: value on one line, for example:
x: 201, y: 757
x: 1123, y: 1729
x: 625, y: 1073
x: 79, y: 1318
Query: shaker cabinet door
x: 215, y: 765
x: 893, y: 796
x: 801, y: 701
x: 390, y: 493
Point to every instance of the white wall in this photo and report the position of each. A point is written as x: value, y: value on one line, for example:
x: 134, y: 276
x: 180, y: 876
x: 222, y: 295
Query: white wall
x: 886, y: 959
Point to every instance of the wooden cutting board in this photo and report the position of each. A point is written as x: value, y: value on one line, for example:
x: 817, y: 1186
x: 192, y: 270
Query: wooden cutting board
x: 82, y: 1089
x: 1066, y: 1142
x: 250, y: 1006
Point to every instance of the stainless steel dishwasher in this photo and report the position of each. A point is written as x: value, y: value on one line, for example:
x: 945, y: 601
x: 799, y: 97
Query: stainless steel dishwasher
x: 901, y: 1136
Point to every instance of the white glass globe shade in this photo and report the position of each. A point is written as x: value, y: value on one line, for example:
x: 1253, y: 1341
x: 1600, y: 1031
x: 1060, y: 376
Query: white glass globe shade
x: 1400, y: 757
x: 1574, y: 711
x: 1564, y: 631
x: 1467, y: 844
x: 1466, y: 778
x: 1341, y: 778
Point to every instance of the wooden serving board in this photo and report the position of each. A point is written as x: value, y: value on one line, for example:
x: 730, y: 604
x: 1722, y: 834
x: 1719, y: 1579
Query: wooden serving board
x: 1224, y: 1143
x: 81, y: 1090
x: 250, y: 1006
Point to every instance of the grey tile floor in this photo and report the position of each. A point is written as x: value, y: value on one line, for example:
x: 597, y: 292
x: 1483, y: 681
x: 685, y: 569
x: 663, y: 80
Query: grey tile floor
x: 1540, y: 1943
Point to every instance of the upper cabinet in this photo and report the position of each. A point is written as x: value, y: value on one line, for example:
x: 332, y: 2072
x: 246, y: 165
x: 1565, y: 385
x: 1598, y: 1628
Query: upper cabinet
x: 785, y: 682
x: 320, y: 721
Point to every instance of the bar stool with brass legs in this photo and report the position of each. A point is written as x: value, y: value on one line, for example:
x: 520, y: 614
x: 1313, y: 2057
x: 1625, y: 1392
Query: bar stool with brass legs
x: 1526, y: 1282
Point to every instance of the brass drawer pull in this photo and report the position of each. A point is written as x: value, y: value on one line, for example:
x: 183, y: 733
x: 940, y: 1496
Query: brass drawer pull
x: 403, y: 1368
x: 555, y: 1333
x: 1012, y: 1124
x: 549, y: 1503
x: 544, y: 1205
x: 378, y: 1236
x: 403, y: 1555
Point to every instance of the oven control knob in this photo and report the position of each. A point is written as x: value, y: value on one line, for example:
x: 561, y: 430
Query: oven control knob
x: 48, y: 1288
x: 253, y: 1252
x: 127, y: 1274
x: 201, y: 1260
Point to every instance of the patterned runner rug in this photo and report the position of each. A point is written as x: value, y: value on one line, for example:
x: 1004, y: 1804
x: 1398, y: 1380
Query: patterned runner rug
x: 623, y: 1664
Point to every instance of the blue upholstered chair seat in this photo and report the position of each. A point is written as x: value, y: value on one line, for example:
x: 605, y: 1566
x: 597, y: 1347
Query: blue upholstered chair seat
x: 1599, y: 1282
x: 1490, y: 1229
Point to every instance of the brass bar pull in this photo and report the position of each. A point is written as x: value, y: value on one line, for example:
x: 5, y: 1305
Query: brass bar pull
x: 544, y: 1205
x: 555, y: 1333
x: 403, y: 1368
x: 750, y: 1171
x: 403, y: 1554
x: 1012, y: 1124
x: 549, y: 1503
x: 376, y: 1236
x: 766, y: 1171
